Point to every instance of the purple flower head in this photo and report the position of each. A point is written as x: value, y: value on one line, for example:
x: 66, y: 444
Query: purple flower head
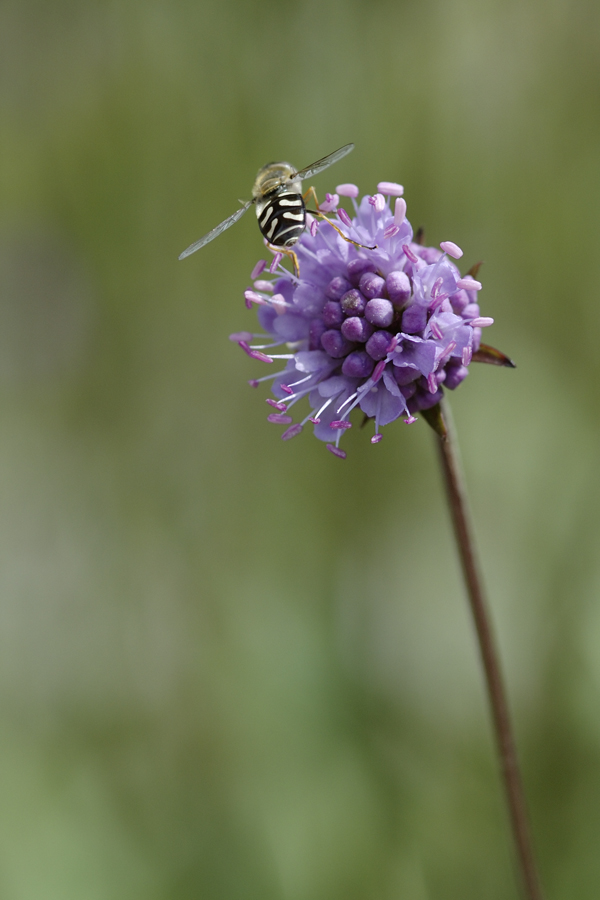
x: 379, y: 330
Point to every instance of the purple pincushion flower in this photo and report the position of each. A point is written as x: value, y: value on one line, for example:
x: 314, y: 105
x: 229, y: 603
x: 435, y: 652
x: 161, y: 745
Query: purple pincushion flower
x: 379, y: 329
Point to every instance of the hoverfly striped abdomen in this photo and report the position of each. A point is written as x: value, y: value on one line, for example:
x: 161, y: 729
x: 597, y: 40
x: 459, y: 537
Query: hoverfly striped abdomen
x: 281, y: 217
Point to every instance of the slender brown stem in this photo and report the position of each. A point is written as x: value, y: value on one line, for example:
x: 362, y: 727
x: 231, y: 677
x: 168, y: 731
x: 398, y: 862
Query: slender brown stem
x: 450, y: 459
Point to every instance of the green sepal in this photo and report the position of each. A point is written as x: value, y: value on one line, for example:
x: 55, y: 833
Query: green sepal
x: 474, y: 270
x: 435, y: 419
x: 493, y: 357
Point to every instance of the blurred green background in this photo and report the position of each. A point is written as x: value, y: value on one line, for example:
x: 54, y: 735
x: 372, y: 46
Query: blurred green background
x: 237, y: 669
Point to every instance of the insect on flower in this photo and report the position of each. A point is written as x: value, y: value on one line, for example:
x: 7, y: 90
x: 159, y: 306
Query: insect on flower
x: 383, y: 331
x: 280, y: 206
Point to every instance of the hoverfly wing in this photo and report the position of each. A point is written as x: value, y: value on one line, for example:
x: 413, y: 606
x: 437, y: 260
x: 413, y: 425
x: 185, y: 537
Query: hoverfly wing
x: 320, y: 164
x: 217, y: 231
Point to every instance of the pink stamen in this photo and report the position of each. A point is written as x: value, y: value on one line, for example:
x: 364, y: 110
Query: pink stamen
x: 314, y: 420
x: 451, y: 249
x: 336, y: 451
x: 279, y: 420
x: 276, y: 260
x: 446, y: 354
x: 390, y: 188
x: 408, y: 252
x: 258, y: 268
x: 435, y: 304
x: 344, y: 217
x: 278, y: 303
x: 347, y: 190
x: 266, y: 286
x: 432, y: 383
x: 469, y: 284
x: 254, y: 354
x: 280, y: 406
x: 251, y: 297
x: 238, y: 336
x: 340, y: 424
x: 378, y: 370
x: 376, y: 438
x: 330, y: 203
x: 410, y: 420
x: 436, y: 287
x: 314, y: 227
x: 435, y: 330
x: 377, y: 201
x: 390, y: 231
x: 291, y: 432
x: 254, y: 382
x: 399, y: 211
x: 482, y: 322
x: 286, y: 389
x: 466, y: 356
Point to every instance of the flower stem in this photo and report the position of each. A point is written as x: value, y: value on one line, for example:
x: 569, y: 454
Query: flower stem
x: 457, y: 499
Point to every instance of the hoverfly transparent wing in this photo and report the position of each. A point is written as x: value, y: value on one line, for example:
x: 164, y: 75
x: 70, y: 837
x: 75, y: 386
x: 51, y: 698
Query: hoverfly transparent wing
x: 320, y: 164
x: 217, y: 231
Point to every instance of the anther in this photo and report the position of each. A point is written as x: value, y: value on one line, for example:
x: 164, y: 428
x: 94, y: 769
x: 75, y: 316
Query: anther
x: 286, y: 389
x: 469, y: 284
x: 390, y: 188
x: 446, y: 354
x: 399, y: 211
x: 451, y: 249
x: 330, y: 203
x: 408, y: 253
x: 347, y: 190
x: 379, y: 370
x: 344, y: 217
x: 279, y: 419
x: 436, y: 287
x: 340, y: 424
x: 251, y: 297
x: 258, y: 268
x: 336, y: 451
x: 390, y: 231
x: 482, y: 322
x: 378, y: 202
x: 266, y: 286
x: 276, y: 260
x: 376, y: 438
x: 291, y: 432
x: 280, y: 406
x: 238, y: 336
x: 254, y: 354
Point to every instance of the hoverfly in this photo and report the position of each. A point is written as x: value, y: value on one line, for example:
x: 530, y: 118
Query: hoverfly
x: 280, y: 205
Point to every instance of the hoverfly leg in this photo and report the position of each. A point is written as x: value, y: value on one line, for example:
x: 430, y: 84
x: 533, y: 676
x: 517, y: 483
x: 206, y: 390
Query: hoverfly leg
x: 341, y: 233
x: 306, y: 195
